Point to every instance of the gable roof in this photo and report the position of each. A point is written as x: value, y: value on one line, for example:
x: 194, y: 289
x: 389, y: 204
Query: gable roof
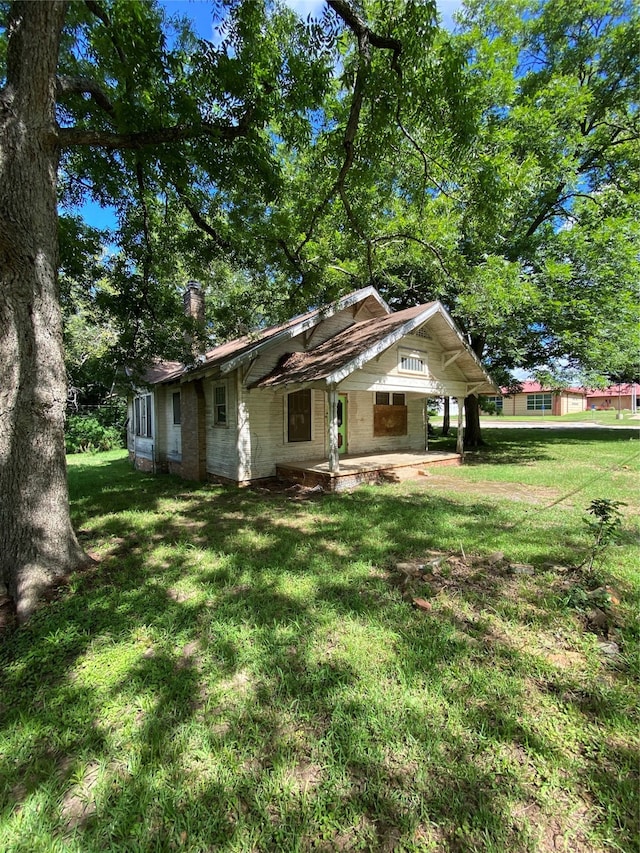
x: 233, y: 353
x: 339, y: 356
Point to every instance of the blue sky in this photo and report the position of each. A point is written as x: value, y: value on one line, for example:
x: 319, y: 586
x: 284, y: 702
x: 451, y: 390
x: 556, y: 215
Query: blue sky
x: 200, y: 12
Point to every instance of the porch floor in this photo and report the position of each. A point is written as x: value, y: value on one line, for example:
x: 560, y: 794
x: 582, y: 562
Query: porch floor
x: 365, y: 468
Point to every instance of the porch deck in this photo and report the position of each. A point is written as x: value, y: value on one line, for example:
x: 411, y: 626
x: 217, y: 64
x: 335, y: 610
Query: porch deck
x: 366, y: 468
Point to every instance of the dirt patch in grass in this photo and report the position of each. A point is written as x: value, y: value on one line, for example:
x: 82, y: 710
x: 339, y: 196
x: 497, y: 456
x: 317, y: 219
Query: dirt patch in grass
x: 508, y: 491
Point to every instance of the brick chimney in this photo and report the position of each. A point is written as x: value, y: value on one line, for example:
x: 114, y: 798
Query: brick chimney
x: 193, y: 300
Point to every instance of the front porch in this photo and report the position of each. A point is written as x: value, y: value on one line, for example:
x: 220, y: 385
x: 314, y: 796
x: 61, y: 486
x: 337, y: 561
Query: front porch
x: 365, y: 468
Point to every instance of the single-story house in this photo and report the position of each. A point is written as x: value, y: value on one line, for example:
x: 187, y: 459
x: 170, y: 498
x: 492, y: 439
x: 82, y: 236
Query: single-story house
x: 314, y: 394
x: 535, y: 400
x: 615, y: 397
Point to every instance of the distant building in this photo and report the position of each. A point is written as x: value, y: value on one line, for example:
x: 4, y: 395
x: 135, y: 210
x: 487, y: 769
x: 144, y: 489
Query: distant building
x: 536, y: 400
x: 615, y: 397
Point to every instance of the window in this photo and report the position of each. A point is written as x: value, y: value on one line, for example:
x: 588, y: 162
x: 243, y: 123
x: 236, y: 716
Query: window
x: 220, y: 405
x: 497, y: 401
x: 299, y: 416
x: 176, y: 409
x: 412, y: 362
x: 383, y: 398
x: 538, y: 402
x: 142, y: 415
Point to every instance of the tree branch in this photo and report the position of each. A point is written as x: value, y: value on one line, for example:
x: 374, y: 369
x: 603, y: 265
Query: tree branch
x: 102, y: 14
x: 84, y: 86
x: 365, y: 37
x: 69, y: 137
x: 200, y: 221
x: 390, y: 238
x: 363, y: 33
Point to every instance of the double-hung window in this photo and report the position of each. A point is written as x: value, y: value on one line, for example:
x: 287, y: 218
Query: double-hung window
x: 220, y: 405
x: 177, y: 414
x: 299, y: 415
x: 142, y: 415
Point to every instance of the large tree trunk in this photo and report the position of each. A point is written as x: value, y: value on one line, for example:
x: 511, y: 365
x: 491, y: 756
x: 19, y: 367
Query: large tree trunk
x: 37, y: 542
x: 472, y: 433
x: 446, y: 416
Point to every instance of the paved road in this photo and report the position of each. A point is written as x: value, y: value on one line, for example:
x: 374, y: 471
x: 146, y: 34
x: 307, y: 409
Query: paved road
x: 501, y: 423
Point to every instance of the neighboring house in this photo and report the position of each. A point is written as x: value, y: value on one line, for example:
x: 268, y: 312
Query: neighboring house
x: 535, y: 400
x: 616, y: 397
x: 349, y: 379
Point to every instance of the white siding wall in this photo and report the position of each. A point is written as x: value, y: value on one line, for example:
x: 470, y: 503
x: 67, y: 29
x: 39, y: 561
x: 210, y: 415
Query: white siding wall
x: 382, y: 373
x: 360, y: 437
x: 263, y: 433
x: 222, y: 441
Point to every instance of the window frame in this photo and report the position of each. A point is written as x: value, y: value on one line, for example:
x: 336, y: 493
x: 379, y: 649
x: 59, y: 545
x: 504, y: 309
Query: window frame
x: 143, y: 416
x: 405, y: 355
x: 308, y: 432
x: 389, y: 398
x: 539, y: 402
x: 497, y: 400
x: 176, y: 397
x: 220, y: 406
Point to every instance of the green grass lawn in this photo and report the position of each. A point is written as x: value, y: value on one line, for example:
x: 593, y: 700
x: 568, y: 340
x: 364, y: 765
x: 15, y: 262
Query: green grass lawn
x: 243, y: 670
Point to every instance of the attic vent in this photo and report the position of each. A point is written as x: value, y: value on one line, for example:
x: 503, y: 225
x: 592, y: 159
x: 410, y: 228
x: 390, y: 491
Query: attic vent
x: 421, y: 333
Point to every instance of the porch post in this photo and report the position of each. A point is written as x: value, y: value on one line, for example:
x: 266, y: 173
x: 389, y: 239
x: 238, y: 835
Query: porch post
x: 426, y: 423
x: 334, y: 463
x: 460, y: 438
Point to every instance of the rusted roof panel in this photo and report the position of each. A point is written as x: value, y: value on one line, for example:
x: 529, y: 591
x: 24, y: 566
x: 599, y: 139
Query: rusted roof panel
x: 338, y: 351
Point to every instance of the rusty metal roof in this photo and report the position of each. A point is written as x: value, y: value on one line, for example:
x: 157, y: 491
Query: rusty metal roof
x: 323, y: 361
x: 247, y: 346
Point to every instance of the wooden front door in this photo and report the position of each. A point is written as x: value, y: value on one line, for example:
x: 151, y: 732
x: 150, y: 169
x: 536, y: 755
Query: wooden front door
x: 342, y: 424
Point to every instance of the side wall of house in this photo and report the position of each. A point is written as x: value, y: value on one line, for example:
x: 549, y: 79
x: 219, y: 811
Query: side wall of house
x: 222, y: 438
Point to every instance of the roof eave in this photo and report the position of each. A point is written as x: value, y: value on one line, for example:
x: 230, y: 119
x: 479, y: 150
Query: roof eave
x: 366, y: 355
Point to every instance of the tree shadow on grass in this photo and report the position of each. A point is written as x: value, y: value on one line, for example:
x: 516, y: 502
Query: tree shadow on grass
x: 261, y: 684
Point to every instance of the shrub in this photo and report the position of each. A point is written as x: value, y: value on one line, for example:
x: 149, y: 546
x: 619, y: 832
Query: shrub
x: 85, y: 433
